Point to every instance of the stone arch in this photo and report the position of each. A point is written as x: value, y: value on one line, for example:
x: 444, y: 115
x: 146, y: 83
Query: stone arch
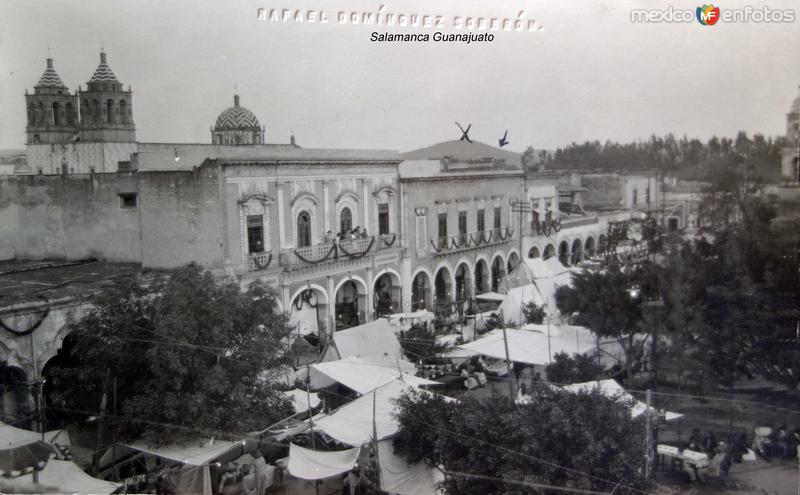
x: 14, y: 393
x: 305, y: 202
x: 512, y: 261
x: 347, y: 201
x: 308, y: 308
x: 69, y: 112
x: 563, y: 252
x: 497, y: 269
x: 576, y: 252
x: 482, y: 275
x: 350, y: 302
x: 534, y: 252
x: 123, y: 111
x: 386, y: 290
x: 463, y: 281
x: 549, y: 251
x: 421, y: 289
x: 589, y: 247
x: 110, y: 111
x: 443, y: 285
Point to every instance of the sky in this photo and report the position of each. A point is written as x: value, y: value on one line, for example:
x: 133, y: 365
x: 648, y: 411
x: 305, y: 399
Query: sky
x: 587, y: 72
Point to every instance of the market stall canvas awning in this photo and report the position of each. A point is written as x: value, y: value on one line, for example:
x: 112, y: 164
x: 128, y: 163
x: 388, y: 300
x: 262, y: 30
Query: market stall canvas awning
x: 530, y: 347
x: 352, y: 424
x: 374, y: 341
x: 610, y: 388
x: 363, y: 376
x: 301, y: 400
x: 21, y: 449
x: 402, y: 478
x: 69, y: 478
x: 310, y: 464
x: 194, y: 453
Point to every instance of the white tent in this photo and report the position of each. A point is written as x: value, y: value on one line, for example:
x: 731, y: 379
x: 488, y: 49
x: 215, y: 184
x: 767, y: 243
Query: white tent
x: 531, y: 347
x: 60, y: 477
x: 373, y: 341
x: 310, y: 464
x: 363, y: 376
x: 611, y: 388
x: 398, y: 476
x: 195, y: 457
x: 301, y: 400
x: 195, y: 453
x: 12, y: 437
x: 352, y: 424
x: 534, y: 280
x: 516, y: 298
x: 404, y: 321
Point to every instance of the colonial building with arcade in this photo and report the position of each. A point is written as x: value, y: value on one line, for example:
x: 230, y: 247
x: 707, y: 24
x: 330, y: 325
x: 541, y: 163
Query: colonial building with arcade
x: 344, y: 235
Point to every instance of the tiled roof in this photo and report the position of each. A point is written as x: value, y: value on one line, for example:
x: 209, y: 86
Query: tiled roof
x: 103, y: 72
x: 236, y: 118
x: 50, y: 78
x: 161, y: 156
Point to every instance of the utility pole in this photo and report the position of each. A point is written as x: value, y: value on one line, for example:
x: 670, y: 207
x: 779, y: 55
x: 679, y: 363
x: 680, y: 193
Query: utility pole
x: 508, y: 364
x: 375, y: 440
x: 520, y: 207
x: 648, y: 473
x: 311, y: 418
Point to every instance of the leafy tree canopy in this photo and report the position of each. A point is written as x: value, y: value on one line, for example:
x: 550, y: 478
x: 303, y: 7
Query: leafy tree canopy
x: 190, y: 358
x: 582, y: 440
x: 689, y: 159
x: 577, y: 368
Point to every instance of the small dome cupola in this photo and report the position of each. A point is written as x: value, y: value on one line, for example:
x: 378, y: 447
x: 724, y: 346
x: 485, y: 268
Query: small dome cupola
x: 237, y: 125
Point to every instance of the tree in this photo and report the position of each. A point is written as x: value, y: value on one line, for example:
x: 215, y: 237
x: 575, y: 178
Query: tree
x: 611, y: 303
x: 533, y: 313
x: 583, y: 440
x: 190, y: 358
x: 577, y: 368
x: 528, y: 159
x: 420, y: 344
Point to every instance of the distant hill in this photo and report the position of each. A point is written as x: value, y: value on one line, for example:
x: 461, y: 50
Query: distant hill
x: 463, y: 150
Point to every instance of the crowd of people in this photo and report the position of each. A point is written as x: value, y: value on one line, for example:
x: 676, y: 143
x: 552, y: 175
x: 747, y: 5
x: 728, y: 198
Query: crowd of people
x: 253, y: 478
x: 776, y: 443
x: 346, y: 235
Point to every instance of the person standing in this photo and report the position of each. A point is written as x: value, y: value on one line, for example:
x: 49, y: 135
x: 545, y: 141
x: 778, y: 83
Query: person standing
x: 260, y: 471
x: 248, y: 481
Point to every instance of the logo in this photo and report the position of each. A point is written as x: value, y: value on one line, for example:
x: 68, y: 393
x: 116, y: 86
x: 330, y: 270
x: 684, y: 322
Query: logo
x: 708, y: 15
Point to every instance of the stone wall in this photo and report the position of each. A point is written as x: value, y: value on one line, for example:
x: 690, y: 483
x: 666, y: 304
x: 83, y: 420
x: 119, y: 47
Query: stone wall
x: 68, y: 217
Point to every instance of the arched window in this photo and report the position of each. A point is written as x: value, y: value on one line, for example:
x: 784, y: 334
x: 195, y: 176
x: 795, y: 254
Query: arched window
x: 123, y: 111
x: 42, y: 116
x: 31, y: 114
x: 86, y: 111
x: 96, y: 110
x: 303, y: 229
x: 56, y: 114
x: 70, y: 114
x: 345, y: 220
x: 110, y: 111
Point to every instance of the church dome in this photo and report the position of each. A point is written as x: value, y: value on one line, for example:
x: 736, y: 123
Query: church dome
x: 236, y: 117
x: 50, y: 78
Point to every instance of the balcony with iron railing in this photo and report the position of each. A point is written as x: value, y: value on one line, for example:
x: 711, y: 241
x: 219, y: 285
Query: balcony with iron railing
x: 470, y: 240
x: 337, y: 250
x: 257, y: 262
